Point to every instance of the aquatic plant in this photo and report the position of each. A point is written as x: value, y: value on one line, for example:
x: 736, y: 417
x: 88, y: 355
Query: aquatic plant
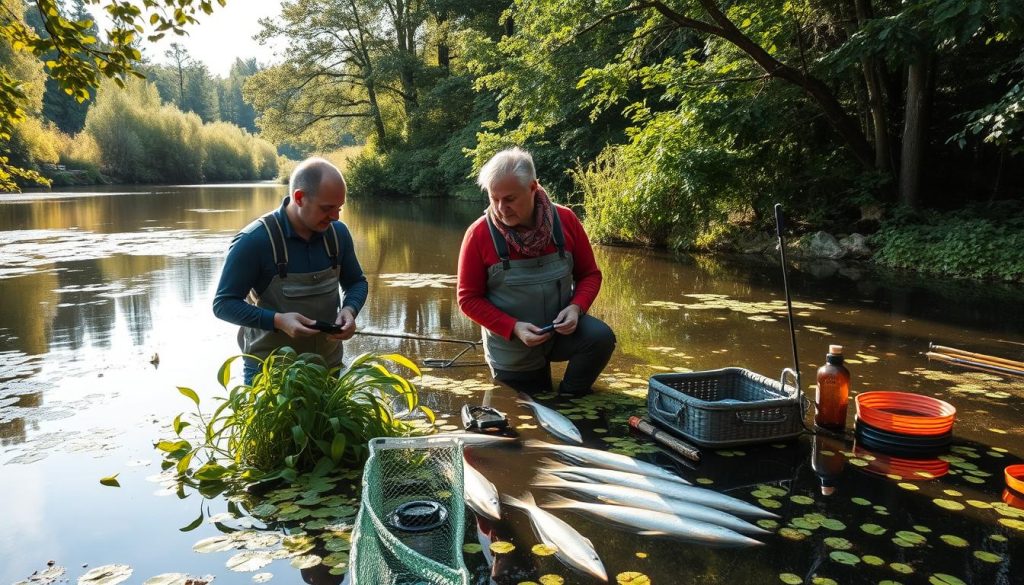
x: 297, y: 415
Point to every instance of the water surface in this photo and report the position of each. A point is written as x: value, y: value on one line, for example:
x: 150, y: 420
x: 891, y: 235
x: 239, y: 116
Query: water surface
x: 106, y: 309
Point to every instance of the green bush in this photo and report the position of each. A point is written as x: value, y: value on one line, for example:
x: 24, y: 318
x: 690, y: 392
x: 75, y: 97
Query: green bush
x: 984, y: 243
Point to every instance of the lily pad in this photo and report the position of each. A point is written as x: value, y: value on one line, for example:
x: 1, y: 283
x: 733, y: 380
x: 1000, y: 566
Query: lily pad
x: 948, y: 504
x: 874, y: 529
x: 844, y: 557
x: 551, y: 579
x: 471, y: 548
x: 911, y: 537
x: 792, y: 534
x: 768, y: 523
x: 802, y: 500
x: 944, y: 579
x: 872, y: 560
x: 543, y: 550
x: 823, y: 581
x: 790, y: 579
x: 106, y: 575
x: 502, y: 547
x: 901, y: 568
x: 952, y: 540
x: 632, y: 578
x: 984, y: 555
x: 168, y: 579
x: 249, y: 560
x: 833, y: 524
x: 860, y: 501
x: 838, y: 543
x: 306, y: 561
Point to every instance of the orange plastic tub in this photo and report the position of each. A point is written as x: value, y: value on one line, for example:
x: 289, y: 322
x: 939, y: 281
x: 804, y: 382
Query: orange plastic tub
x: 1015, y: 478
x: 905, y: 413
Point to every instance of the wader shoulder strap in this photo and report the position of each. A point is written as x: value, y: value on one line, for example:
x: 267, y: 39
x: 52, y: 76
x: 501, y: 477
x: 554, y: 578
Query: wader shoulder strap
x: 500, y: 245
x: 556, y: 232
x: 332, y: 246
x: 277, y: 243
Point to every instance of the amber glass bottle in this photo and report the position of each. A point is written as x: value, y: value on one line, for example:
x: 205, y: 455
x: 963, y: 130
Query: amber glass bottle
x: 833, y: 391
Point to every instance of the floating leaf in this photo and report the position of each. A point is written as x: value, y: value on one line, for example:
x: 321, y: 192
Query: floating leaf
x: 952, y: 540
x: 944, y: 579
x: 860, y: 501
x: 901, y: 568
x: 551, y: 580
x: 803, y: 500
x: 922, y: 529
x: 874, y: 529
x: 641, y: 555
x: 768, y: 523
x: 833, y: 524
x: 998, y: 538
x: 215, y: 544
x: 983, y: 555
x: 770, y: 503
x: 911, y: 537
x: 790, y: 579
x: 502, y: 547
x: 632, y: 578
x: 844, y: 558
x: 805, y: 523
x: 471, y: 548
x: 948, y: 504
x: 705, y: 481
x: 249, y: 560
x: 306, y: 561
x: 953, y: 493
x: 167, y: 579
x: 111, y: 480
x: 908, y: 486
x: 792, y: 534
x: 838, y: 543
x: 106, y: 575
x: 816, y: 580
x: 543, y: 550
x: 872, y: 560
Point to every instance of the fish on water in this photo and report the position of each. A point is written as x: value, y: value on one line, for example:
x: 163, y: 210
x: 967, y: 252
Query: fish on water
x: 673, y: 489
x: 639, y: 498
x: 481, y: 495
x: 571, y: 547
x: 554, y: 422
x: 651, y: 523
x: 606, y: 459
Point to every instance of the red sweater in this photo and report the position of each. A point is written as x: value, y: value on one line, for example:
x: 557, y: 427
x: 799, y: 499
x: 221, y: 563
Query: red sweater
x: 478, y: 254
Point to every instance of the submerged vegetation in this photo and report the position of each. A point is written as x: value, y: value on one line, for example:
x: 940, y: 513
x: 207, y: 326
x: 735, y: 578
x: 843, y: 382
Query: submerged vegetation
x: 297, y: 416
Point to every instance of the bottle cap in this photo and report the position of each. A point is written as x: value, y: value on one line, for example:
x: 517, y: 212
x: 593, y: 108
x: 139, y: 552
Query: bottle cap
x: 827, y: 490
x: 835, y: 349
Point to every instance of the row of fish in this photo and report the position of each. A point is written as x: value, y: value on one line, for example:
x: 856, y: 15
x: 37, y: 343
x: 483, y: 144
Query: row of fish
x: 630, y: 493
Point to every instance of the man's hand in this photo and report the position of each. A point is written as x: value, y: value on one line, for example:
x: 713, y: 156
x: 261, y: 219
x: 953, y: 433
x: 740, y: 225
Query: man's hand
x: 529, y: 334
x: 567, y: 319
x: 294, y: 325
x: 347, y: 320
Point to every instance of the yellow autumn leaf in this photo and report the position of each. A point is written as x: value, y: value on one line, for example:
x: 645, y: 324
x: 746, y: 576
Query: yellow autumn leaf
x: 543, y: 550
x: 632, y: 578
x: 502, y: 547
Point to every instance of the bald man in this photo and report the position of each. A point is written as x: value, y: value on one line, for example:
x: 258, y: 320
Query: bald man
x: 282, y: 272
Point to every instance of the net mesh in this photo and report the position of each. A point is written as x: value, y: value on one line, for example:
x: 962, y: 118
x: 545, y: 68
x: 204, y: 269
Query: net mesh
x: 400, y: 471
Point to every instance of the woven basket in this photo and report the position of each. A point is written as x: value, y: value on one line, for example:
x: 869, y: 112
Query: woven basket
x: 731, y: 406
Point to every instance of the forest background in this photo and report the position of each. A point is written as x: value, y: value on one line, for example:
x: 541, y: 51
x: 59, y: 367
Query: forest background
x: 674, y: 123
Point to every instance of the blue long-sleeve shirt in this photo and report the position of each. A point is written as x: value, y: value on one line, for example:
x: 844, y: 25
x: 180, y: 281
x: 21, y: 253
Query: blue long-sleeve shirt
x: 250, y: 266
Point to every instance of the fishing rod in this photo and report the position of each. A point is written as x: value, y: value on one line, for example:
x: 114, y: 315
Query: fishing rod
x: 792, y: 329
x: 431, y: 362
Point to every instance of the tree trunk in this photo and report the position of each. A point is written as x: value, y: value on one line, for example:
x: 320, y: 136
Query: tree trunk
x: 876, y: 102
x: 443, y: 52
x: 915, y: 129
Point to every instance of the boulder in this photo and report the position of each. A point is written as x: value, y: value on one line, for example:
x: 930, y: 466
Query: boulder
x: 855, y: 246
x: 819, y: 245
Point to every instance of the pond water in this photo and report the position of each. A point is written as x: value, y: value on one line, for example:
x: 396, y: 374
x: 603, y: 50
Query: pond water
x: 106, y: 310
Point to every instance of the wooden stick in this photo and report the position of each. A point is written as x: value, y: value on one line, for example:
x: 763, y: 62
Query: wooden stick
x: 978, y: 357
x: 984, y: 366
x: 666, y: 440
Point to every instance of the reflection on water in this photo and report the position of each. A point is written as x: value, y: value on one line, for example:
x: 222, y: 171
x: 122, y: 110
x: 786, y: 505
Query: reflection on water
x: 96, y: 286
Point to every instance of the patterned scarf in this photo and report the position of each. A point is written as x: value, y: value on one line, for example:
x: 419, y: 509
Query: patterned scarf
x: 530, y: 243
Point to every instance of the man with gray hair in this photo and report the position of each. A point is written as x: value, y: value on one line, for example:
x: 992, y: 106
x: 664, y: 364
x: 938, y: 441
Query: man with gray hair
x: 527, y: 275
x: 281, y: 275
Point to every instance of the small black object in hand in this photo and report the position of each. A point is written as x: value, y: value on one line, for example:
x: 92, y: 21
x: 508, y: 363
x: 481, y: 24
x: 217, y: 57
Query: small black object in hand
x: 547, y: 328
x: 326, y: 327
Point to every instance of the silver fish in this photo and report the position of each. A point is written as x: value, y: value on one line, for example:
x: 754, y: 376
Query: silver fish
x: 651, y: 523
x: 673, y: 489
x: 638, y: 498
x: 481, y: 495
x: 607, y: 460
x: 571, y: 547
x: 554, y: 422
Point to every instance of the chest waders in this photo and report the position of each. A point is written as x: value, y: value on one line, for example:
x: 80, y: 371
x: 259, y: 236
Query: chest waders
x: 534, y: 290
x: 313, y: 294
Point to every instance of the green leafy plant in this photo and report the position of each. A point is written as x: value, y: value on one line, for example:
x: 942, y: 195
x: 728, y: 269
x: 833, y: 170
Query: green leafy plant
x: 296, y: 416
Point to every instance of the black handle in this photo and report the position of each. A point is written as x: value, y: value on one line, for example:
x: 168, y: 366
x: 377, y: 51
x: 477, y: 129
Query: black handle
x: 778, y: 219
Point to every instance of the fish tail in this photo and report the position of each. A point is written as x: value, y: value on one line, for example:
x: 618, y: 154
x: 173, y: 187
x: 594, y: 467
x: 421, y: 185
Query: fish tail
x: 557, y: 501
x: 537, y: 444
x: 523, y: 502
x: 551, y: 464
x: 546, y: 479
